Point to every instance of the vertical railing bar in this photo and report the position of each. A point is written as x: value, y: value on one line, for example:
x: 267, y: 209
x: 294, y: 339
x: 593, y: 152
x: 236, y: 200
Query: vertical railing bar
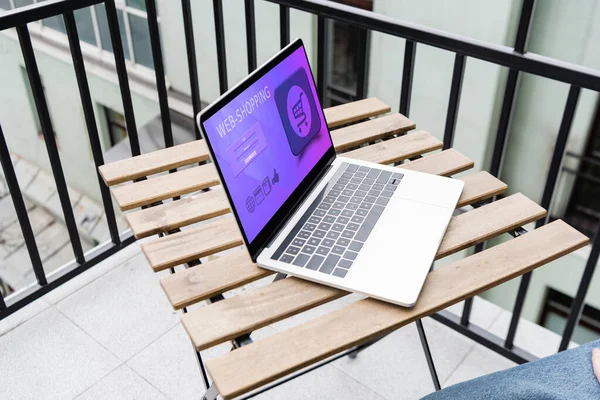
x: 250, y: 35
x: 90, y: 120
x: 524, y: 24
x: 284, y: 25
x: 579, y: 300
x: 190, y: 47
x: 159, y: 71
x: 362, y: 82
x: 322, y: 51
x: 505, y: 122
x: 115, y: 38
x: 220, y: 36
x: 410, y: 49
x: 517, y: 310
x: 557, y: 157
x: 559, y: 151
x: 465, y: 317
x: 2, y: 302
x: 454, y: 100
x: 506, y: 113
x: 21, y: 210
x: 49, y: 139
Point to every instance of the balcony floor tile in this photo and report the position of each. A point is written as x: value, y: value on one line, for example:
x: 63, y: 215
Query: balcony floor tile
x: 170, y: 365
x: 84, y: 279
x: 23, y: 315
x: 395, y: 366
x: 50, y: 357
x: 125, y: 310
x: 480, y: 361
x: 123, y: 383
x: 534, y: 338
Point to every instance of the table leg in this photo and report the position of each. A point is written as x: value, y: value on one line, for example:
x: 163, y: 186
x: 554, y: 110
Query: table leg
x: 428, y: 357
x: 211, y: 393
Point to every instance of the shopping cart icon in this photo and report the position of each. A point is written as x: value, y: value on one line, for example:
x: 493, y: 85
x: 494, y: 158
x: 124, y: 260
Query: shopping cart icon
x: 299, y: 114
x: 297, y: 108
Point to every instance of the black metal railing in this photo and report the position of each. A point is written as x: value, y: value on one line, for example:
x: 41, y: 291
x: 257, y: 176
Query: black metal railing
x: 18, y: 19
x: 516, y: 59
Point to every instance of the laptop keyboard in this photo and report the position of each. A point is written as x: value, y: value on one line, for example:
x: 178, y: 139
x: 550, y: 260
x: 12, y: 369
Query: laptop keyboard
x: 333, y: 230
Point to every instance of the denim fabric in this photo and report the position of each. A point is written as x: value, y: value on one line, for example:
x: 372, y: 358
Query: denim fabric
x: 567, y: 375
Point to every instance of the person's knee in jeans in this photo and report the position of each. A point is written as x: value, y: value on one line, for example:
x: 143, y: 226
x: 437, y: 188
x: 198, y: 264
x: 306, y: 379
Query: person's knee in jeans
x: 573, y: 374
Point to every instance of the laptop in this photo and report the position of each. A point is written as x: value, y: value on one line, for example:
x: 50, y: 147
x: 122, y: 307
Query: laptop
x: 304, y: 211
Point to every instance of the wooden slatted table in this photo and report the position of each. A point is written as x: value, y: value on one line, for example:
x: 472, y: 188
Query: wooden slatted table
x: 363, y: 132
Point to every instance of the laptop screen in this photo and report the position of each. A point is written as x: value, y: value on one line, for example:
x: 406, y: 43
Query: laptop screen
x: 267, y: 139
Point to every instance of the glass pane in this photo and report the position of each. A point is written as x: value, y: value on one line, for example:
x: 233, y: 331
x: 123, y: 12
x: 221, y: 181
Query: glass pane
x: 5, y: 4
x: 56, y: 23
x: 21, y: 3
x: 581, y: 334
x: 139, y: 4
x: 140, y: 36
x: 115, y: 118
x: 85, y: 27
x: 105, y: 33
x: 344, y: 68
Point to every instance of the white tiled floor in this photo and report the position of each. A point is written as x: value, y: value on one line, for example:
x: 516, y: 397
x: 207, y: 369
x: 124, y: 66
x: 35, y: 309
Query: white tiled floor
x: 111, y: 334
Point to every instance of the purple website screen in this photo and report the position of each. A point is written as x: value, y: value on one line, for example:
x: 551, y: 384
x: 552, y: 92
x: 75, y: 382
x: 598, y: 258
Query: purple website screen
x: 267, y: 140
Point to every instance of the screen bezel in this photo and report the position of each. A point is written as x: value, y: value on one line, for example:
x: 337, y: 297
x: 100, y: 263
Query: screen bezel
x: 274, y: 224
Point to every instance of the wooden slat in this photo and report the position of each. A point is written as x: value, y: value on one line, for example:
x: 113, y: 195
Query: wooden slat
x: 169, y: 216
x: 160, y: 188
x: 192, y: 244
x: 480, y: 186
x: 445, y: 163
x: 203, y: 281
x: 154, y: 162
x: 397, y: 149
x: 489, y: 221
x: 254, y: 309
x: 266, y: 360
x: 355, y: 111
x: 166, y: 186
x: 369, y: 131
x: 194, y: 152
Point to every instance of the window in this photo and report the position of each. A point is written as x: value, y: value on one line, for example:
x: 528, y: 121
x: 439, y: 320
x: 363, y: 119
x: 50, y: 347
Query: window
x: 342, y: 85
x: 556, y: 311
x: 92, y: 26
x: 115, y: 123
x: 583, y: 210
